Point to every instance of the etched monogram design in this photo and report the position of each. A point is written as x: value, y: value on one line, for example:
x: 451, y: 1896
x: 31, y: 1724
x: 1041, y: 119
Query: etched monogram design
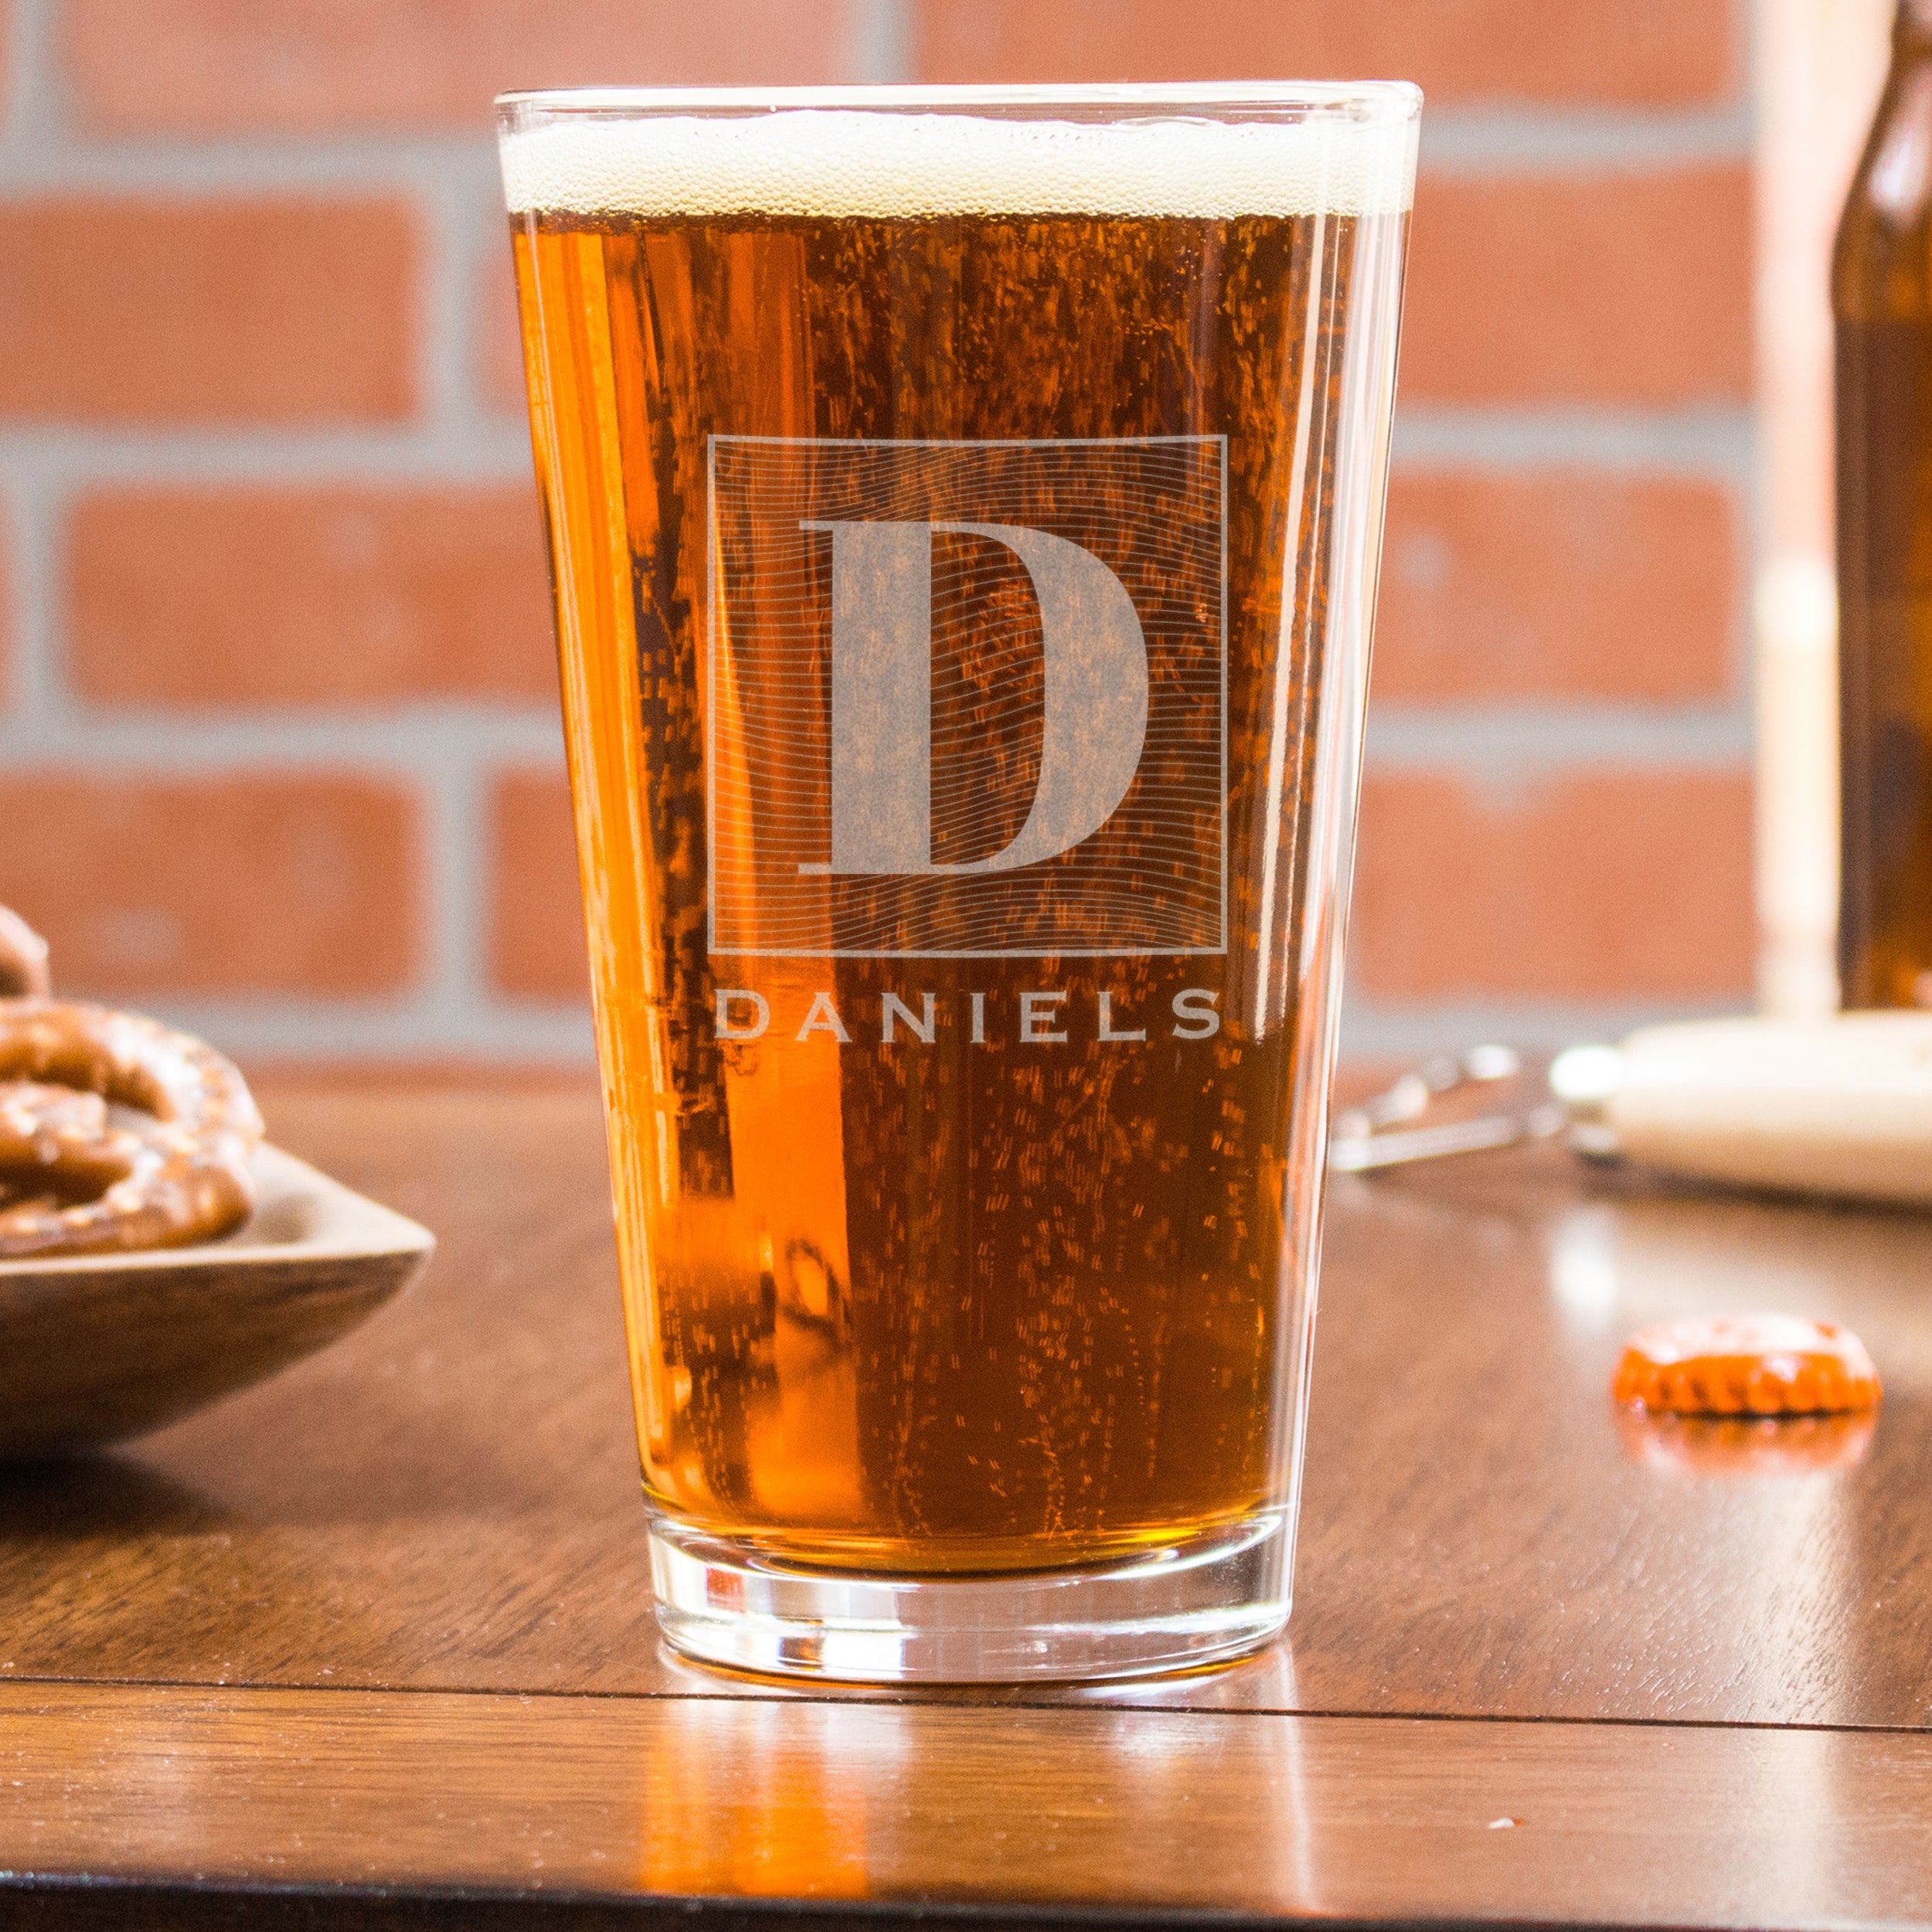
x: 967, y: 698
x: 1093, y: 705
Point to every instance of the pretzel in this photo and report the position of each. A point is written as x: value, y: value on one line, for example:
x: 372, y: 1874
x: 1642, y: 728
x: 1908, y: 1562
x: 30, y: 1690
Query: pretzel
x: 74, y: 1179
x: 23, y: 958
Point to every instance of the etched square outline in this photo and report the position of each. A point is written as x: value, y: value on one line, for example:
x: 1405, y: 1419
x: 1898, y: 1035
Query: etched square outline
x: 712, y: 570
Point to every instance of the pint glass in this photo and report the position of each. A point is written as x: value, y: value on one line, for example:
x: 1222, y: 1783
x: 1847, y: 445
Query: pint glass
x: 965, y: 509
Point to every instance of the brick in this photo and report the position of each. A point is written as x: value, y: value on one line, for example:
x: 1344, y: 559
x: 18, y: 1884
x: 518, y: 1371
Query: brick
x: 290, y: 883
x: 295, y: 596
x: 1630, y: 289
x: 537, y: 913
x: 197, y: 66
x: 1626, y: 885
x: 1628, y: 52
x: 1561, y: 584
x: 269, y: 310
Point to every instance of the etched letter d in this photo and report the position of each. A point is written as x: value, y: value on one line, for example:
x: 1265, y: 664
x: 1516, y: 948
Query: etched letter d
x: 1095, y: 706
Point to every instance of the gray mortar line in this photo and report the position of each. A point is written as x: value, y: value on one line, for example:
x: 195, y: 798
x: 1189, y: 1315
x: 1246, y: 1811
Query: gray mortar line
x: 486, y: 447
x: 36, y: 92
x: 392, y: 740
x: 34, y: 546
x: 1372, y: 1028
x: 453, y: 207
x: 376, y: 164
x: 457, y: 863
x: 1715, y: 442
x: 883, y: 41
x: 480, y: 449
x: 1459, y: 143
x: 1535, y: 741
x: 407, y: 1028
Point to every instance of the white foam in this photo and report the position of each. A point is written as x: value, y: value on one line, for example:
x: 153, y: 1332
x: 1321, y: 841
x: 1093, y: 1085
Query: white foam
x: 833, y: 163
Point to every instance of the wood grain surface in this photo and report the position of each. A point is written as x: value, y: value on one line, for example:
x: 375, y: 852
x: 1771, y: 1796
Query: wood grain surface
x: 448, y: 1498
x: 354, y: 1577
x: 833, y: 1802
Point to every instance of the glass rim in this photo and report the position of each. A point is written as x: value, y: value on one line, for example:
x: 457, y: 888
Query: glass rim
x: 1391, y: 102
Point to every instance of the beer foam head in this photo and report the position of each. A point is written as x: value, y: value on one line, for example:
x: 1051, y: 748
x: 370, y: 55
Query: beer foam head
x: 836, y: 163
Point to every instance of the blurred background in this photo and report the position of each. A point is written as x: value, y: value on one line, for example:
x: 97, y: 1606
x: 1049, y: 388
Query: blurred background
x: 278, y: 754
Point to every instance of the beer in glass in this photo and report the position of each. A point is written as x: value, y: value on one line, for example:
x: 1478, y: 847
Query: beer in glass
x: 965, y: 509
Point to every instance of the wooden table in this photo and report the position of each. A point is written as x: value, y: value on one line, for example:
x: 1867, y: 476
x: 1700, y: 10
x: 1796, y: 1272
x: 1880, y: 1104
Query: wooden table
x: 373, y: 1645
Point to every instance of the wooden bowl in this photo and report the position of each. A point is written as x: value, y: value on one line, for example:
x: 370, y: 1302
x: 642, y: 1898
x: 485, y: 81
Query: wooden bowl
x: 97, y: 1349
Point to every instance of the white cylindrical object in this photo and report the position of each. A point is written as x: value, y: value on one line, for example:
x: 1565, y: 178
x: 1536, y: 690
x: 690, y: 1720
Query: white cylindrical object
x: 1841, y: 1106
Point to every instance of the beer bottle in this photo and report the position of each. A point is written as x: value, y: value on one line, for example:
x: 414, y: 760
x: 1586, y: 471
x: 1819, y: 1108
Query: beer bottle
x: 1882, y: 306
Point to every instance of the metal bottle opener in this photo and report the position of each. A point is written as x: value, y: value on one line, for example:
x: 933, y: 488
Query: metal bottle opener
x: 1841, y: 1106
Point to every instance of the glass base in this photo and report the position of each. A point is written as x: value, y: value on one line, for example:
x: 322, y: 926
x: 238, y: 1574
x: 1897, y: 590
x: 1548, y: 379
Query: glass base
x: 724, y: 1600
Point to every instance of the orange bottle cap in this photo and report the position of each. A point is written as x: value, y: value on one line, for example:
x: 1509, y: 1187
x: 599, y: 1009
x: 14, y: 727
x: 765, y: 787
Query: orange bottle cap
x: 1761, y: 1365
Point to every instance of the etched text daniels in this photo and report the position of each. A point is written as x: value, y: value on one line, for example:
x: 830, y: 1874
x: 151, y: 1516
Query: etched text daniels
x: 1045, y: 1017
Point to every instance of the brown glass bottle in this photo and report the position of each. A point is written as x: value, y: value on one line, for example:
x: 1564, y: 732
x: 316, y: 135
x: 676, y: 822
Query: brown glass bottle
x: 1881, y: 302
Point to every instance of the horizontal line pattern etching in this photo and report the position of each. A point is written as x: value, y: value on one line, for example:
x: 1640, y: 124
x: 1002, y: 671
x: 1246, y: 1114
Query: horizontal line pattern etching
x: 1148, y: 512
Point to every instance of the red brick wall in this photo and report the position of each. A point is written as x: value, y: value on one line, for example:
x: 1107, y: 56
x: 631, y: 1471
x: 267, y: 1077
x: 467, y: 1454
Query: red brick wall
x: 277, y: 751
